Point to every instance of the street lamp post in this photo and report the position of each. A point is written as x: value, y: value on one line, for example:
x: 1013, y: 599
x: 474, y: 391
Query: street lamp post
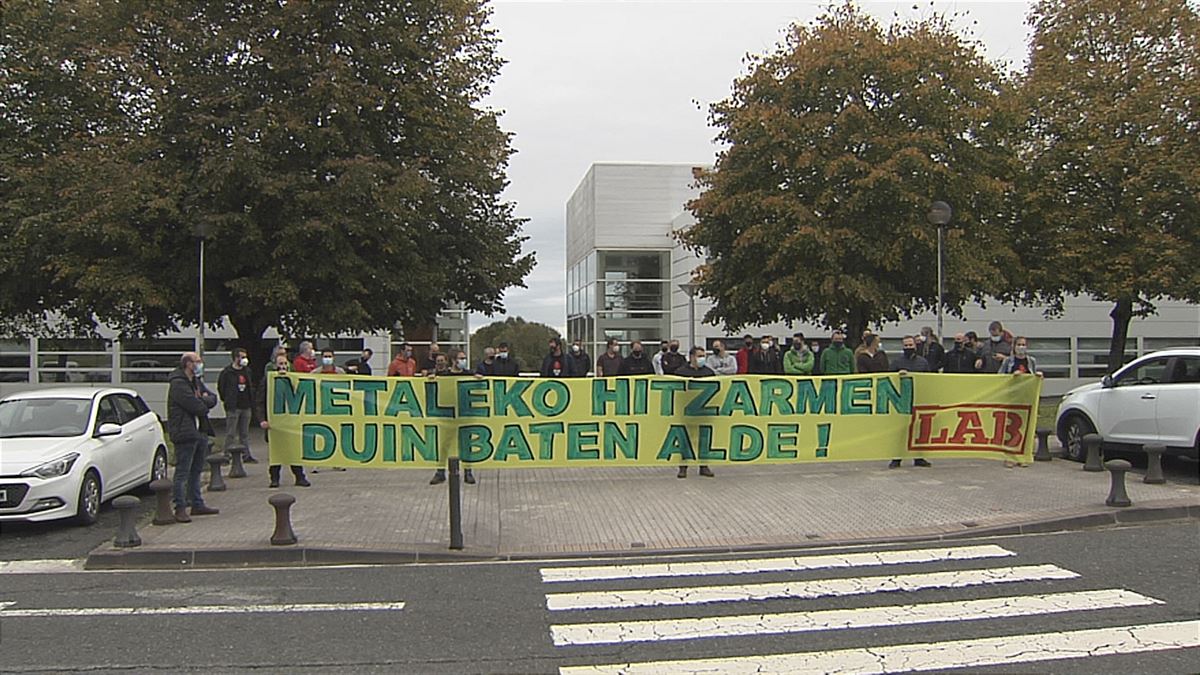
x: 201, y: 232
x: 690, y: 289
x: 939, y: 215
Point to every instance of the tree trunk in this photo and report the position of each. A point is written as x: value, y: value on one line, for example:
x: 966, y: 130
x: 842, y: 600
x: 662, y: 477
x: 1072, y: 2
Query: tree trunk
x: 856, y: 324
x: 1121, y: 314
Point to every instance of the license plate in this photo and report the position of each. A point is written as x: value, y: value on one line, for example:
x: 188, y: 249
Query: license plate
x: 3, y: 496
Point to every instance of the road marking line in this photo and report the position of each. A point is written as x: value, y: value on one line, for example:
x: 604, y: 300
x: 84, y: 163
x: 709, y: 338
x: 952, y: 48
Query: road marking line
x: 792, y: 564
x: 840, y: 619
x: 813, y: 588
x: 46, y: 566
x: 201, y: 609
x: 993, y: 651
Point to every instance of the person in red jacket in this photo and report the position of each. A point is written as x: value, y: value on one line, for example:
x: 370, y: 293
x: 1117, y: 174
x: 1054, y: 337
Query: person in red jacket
x: 306, y: 358
x: 743, y: 354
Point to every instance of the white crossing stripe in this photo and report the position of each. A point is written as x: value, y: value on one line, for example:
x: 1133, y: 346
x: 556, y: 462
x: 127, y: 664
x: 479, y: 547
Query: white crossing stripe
x: 200, y: 609
x: 754, y: 566
x: 44, y: 566
x: 992, y: 651
x: 839, y: 619
x: 814, y: 588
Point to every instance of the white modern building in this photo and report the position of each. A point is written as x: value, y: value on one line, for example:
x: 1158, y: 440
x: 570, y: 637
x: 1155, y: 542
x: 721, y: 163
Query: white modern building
x: 625, y: 268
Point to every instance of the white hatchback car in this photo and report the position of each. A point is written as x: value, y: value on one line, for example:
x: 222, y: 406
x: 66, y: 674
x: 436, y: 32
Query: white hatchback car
x: 1152, y: 400
x: 64, y: 451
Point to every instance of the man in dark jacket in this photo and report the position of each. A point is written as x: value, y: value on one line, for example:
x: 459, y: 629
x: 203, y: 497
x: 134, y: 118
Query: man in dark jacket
x: 960, y: 359
x: 672, y: 360
x: 765, y: 359
x: 506, y: 364
x: 910, y: 362
x: 233, y: 386
x: 580, y: 360
x: 609, y: 363
x: 188, y: 403
x: 555, y: 363
x: 695, y: 367
x: 637, y: 363
x: 281, y: 365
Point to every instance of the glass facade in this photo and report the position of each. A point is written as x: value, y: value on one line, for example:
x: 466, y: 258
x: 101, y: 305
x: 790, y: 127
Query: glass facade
x: 619, y: 294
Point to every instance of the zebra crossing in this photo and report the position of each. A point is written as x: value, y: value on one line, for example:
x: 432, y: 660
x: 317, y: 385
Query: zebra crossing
x: 588, y: 613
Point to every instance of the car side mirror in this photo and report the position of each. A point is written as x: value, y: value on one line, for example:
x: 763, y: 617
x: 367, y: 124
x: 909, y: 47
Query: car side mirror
x: 108, y: 429
x: 1107, y: 382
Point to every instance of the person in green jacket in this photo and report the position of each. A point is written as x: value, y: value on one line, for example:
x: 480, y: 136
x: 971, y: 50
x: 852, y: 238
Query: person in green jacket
x: 838, y: 359
x: 798, y: 360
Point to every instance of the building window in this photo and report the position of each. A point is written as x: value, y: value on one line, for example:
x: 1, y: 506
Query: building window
x: 1092, y: 356
x: 1053, y: 356
x: 75, y: 360
x: 152, y: 360
x: 14, y: 360
x: 1158, y: 344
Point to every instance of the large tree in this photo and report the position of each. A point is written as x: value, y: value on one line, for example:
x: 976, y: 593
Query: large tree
x: 836, y: 145
x: 526, y: 340
x: 1113, y: 152
x: 336, y: 155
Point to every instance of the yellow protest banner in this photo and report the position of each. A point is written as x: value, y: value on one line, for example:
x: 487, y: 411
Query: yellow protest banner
x: 384, y: 422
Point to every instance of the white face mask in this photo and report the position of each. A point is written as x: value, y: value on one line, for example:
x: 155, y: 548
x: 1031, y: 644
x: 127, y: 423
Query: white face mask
x: 996, y: 338
x: 462, y: 364
x: 243, y: 362
x: 575, y: 348
x: 766, y: 345
x: 502, y: 355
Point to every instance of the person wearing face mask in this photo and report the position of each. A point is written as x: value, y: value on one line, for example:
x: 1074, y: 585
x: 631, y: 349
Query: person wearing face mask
x: 871, y: 359
x: 580, y: 362
x: 306, y: 358
x: 837, y: 358
x: 430, y: 363
x: 930, y: 346
x: 743, y: 354
x: 327, y: 365
x: 1020, y: 362
x: 996, y: 348
x: 609, y: 363
x: 364, y: 362
x: 663, y: 347
x: 765, y: 360
x: 721, y: 361
x: 506, y: 364
x: 798, y: 360
x: 233, y: 386
x: 456, y: 365
x: 188, y: 403
x: 910, y: 361
x: 555, y: 363
x: 637, y: 363
x: 961, y: 358
x: 487, y: 367
x: 403, y: 364
x: 672, y: 361
x: 279, y: 366
x: 275, y: 353
x: 695, y: 367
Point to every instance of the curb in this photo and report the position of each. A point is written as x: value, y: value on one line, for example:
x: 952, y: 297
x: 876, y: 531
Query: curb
x: 110, y: 558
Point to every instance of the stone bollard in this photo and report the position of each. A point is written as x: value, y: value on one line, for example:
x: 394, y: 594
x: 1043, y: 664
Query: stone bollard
x: 1154, y: 472
x: 127, y: 507
x: 236, y: 469
x: 1091, y: 444
x: 164, y: 515
x: 1042, y: 454
x: 216, y: 482
x: 1116, y: 494
x: 283, y: 535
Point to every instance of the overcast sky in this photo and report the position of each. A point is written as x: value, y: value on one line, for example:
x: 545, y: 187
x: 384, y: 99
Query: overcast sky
x: 630, y: 81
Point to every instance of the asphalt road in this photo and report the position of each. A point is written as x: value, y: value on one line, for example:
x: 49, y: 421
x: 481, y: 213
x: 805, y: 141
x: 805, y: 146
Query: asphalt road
x: 1001, y: 594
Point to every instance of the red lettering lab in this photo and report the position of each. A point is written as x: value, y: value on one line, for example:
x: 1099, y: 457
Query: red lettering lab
x: 985, y: 428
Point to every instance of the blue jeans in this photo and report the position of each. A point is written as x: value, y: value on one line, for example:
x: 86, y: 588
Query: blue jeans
x: 189, y: 465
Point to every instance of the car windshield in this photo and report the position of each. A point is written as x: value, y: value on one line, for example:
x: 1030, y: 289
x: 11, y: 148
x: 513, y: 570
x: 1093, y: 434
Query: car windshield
x: 40, y: 417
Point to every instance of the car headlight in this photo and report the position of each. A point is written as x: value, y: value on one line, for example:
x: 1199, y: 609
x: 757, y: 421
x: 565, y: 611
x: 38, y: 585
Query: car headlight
x: 54, y: 468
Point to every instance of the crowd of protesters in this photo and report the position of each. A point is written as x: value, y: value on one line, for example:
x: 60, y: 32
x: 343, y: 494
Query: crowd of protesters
x: 998, y: 352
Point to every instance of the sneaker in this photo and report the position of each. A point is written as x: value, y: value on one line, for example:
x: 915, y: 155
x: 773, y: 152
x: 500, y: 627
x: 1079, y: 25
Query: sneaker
x: 894, y: 464
x: 706, y: 472
x: 303, y: 482
x: 468, y: 477
x: 921, y: 462
x: 249, y: 460
x: 439, y: 476
x: 204, y: 510
x: 274, y: 483
x: 682, y: 472
x: 181, y: 515
x: 339, y: 468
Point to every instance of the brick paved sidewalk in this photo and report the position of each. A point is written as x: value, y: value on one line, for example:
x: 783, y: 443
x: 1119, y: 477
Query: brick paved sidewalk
x: 360, y: 515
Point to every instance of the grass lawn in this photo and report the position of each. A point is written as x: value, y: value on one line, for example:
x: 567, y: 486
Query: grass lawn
x: 1047, y: 408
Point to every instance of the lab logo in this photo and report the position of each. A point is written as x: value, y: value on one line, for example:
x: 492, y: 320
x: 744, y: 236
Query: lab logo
x: 978, y: 427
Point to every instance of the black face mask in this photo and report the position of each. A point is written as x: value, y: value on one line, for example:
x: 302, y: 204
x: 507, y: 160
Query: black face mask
x: 664, y: 349
x: 637, y: 352
x: 674, y: 349
x: 909, y: 351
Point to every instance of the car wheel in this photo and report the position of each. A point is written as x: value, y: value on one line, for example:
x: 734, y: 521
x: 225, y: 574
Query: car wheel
x: 88, y: 510
x: 1075, y: 428
x: 159, y: 469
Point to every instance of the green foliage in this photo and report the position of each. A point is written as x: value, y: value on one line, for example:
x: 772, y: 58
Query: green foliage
x: 526, y: 340
x: 1113, y: 151
x: 837, y: 143
x: 335, y: 153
